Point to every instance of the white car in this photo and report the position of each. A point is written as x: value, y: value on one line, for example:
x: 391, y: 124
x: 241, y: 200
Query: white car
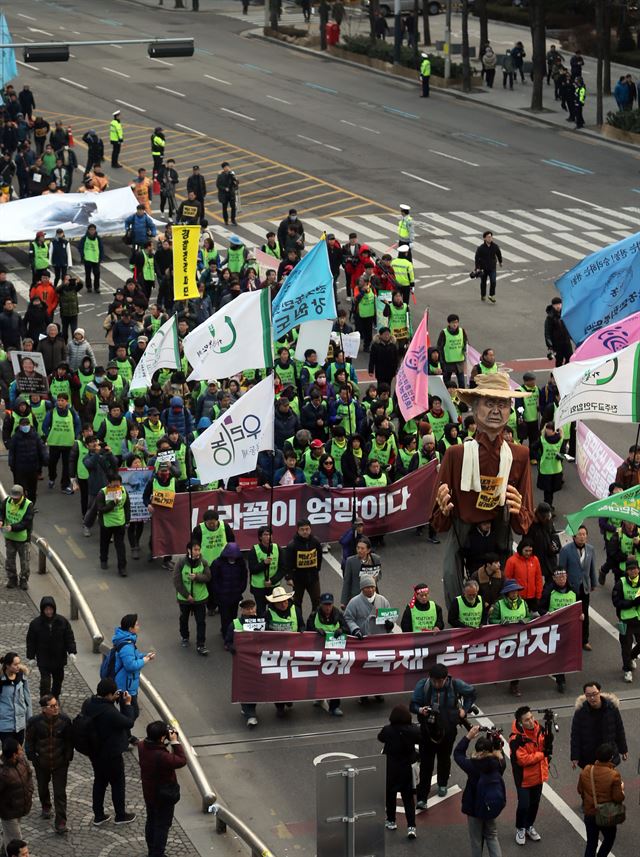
x: 435, y: 7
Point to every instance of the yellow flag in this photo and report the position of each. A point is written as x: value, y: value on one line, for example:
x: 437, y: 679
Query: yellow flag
x: 185, y: 262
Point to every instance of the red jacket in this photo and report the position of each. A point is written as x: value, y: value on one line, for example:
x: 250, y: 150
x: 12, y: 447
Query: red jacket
x: 158, y: 765
x: 47, y: 295
x: 527, y: 572
x: 529, y: 764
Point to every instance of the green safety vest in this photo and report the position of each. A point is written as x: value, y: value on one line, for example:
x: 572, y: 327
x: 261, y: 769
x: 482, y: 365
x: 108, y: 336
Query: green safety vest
x: 549, y: 463
x: 116, y: 517
x: 423, y: 460
x: 374, y: 482
x: 39, y: 411
x: 629, y: 592
x: 487, y: 370
x: 381, y: 453
x: 309, y: 465
x: 508, y: 614
x: 278, y: 622
x: 453, y: 346
x: 212, y: 542
x: 312, y: 369
x: 423, y: 620
x: 627, y: 548
x: 148, y: 268
x: 117, y: 385
x: 235, y: 259
x: 81, y: 469
x: 14, y: 513
x: 470, y: 616
x: 337, y: 451
x: 15, y: 420
x: 125, y: 369
x: 438, y: 424
x: 347, y: 416
x: 435, y: 369
x: 208, y: 256
x: 276, y: 251
x: 62, y: 432
x: 58, y: 386
x: 91, y: 250
x: 152, y: 435
x: 115, y: 131
x: 607, y: 536
x: 406, y: 457
x: 155, y: 324
x: 559, y: 599
x: 40, y: 255
x: 512, y: 422
x: 530, y: 404
x: 326, y: 628
x: 84, y: 380
x: 115, y: 434
x: 403, y: 270
x: 237, y: 625
x: 425, y: 67
x: 102, y: 411
x: 581, y: 92
x: 258, y: 579
x: 399, y: 321
x: 157, y: 145
x: 447, y: 443
x: 287, y: 374
x: 404, y: 227
x: 198, y: 591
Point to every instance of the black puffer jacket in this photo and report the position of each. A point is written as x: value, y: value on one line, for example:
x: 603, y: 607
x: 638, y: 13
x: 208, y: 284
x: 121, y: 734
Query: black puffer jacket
x: 556, y: 335
x: 49, y: 641
x: 586, y: 738
x: 16, y: 788
x: 111, y: 726
x: 49, y: 741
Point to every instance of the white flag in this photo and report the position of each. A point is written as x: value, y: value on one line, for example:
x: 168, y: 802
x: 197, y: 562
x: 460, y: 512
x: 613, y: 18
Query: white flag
x: 236, y: 337
x: 161, y: 353
x: 231, y: 444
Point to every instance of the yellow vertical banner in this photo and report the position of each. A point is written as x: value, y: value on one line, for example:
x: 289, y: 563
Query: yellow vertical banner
x: 185, y: 262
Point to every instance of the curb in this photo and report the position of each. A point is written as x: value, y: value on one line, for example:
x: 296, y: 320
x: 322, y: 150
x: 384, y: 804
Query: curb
x: 446, y: 93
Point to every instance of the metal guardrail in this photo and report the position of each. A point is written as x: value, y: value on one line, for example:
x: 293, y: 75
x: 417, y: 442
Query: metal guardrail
x: 79, y: 608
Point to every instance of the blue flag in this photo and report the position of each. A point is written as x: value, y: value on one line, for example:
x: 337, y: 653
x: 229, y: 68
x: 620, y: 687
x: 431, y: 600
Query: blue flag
x: 307, y: 293
x: 602, y: 289
x: 9, y: 69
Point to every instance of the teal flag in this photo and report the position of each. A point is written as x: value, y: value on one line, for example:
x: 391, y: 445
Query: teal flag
x: 625, y: 505
x: 8, y: 59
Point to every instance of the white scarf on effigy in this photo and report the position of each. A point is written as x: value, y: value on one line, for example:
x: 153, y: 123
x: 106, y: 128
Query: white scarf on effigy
x: 470, y: 480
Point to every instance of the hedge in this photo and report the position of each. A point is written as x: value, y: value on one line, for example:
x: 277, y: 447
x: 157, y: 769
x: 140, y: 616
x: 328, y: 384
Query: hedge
x: 381, y: 50
x: 625, y: 120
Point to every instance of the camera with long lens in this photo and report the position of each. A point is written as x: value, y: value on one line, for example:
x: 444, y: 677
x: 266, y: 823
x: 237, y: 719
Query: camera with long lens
x: 494, y: 735
x: 549, y: 727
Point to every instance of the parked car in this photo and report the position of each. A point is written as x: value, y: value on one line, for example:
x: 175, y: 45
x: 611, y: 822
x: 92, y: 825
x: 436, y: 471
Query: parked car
x: 435, y: 7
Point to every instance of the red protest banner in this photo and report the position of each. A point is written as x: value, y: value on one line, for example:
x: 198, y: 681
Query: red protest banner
x: 283, y: 667
x: 401, y: 506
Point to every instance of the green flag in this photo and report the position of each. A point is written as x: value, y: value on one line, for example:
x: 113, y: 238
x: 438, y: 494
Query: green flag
x: 624, y: 505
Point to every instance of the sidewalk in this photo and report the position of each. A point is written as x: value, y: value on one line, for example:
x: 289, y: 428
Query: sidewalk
x: 82, y: 840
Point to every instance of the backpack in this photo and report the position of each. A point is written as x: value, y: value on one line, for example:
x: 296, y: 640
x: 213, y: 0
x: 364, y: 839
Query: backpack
x: 108, y: 665
x: 83, y: 732
x: 491, y: 795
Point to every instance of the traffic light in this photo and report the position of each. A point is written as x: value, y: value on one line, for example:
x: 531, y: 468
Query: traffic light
x: 177, y: 48
x: 46, y: 53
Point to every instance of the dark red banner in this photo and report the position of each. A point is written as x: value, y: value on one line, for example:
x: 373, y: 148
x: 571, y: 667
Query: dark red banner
x: 271, y: 666
x: 401, y: 506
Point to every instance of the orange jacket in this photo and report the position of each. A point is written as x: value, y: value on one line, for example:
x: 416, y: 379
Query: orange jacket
x: 528, y: 761
x: 527, y: 572
x: 47, y: 295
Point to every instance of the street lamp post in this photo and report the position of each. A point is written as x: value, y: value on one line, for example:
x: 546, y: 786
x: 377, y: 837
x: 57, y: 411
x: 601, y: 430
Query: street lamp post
x: 447, y: 41
x: 397, y: 32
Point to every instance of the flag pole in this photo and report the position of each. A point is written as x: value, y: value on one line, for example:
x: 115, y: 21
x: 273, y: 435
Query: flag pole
x: 353, y: 493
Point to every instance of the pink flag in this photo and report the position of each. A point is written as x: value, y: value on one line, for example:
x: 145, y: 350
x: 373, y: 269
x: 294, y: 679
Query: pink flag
x: 412, y: 379
x: 610, y: 339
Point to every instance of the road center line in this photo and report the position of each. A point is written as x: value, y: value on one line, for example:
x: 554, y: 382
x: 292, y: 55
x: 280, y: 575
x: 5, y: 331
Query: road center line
x: 192, y: 130
x: 217, y: 79
x: 577, y: 199
x: 73, y: 83
x: 453, y: 158
x: 132, y: 106
x: 275, y: 98
x: 171, y: 91
x: 333, y: 562
x: 426, y: 181
x: 310, y: 139
x: 321, y: 88
x: 115, y: 71
x: 235, y: 113
x: 28, y: 17
x: 28, y: 65
x: 36, y: 30
x: 162, y: 62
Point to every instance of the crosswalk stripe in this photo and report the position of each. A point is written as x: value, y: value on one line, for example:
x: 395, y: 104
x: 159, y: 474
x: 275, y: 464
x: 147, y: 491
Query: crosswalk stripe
x: 111, y: 254
x: 579, y: 242
x: 352, y: 226
x: 452, y: 225
x: 604, y: 240
x: 483, y: 222
x: 623, y: 233
x: 563, y: 218
x: 318, y: 225
x: 559, y: 248
x: 512, y: 257
x: 599, y: 218
x: 502, y: 218
x: 254, y: 229
x: 533, y: 251
x: 380, y: 222
x: 8, y: 261
x: 433, y: 255
x: 545, y: 221
x: 456, y: 250
x: 22, y: 288
x: 618, y: 215
x: 119, y: 270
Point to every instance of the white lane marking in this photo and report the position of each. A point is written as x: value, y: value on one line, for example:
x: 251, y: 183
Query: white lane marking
x: 482, y: 222
x: 512, y: 221
x: 430, y: 285
x: 512, y: 257
x: 217, y: 79
x: 557, y: 248
x: 133, y: 106
x: 426, y: 181
x: 319, y: 143
x: 36, y: 30
x: 28, y: 65
x: 275, y: 98
x: 444, y: 244
x: 115, y: 71
x: 609, y: 222
x: 73, y: 83
x: 193, y: 130
x: 335, y: 565
x: 171, y: 91
x: 454, y: 226
x: 362, y: 127
x: 235, y: 113
x: 28, y: 17
x: 566, y: 219
x: 547, y: 222
x: 21, y: 287
x: 453, y: 158
x: 351, y: 225
x: 163, y: 62
x: 606, y: 626
x: 577, y: 199
x: 532, y: 251
x: 119, y: 47
x: 118, y: 270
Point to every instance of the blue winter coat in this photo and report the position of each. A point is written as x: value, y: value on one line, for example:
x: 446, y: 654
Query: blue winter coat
x: 181, y: 419
x: 15, y: 703
x: 129, y: 661
x: 142, y: 228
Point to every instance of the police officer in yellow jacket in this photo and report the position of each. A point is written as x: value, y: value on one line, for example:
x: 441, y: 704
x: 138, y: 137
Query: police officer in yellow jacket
x: 116, y: 137
x: 157, y: 148
x: 425, y: 74
x: 403, y: 272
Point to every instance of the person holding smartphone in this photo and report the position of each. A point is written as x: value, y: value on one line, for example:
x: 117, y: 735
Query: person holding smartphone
x: 160, y: 754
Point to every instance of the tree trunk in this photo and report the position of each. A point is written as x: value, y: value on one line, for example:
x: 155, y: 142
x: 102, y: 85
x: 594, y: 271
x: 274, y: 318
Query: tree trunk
x: 373, y: 14
x: 178, y: 4
x: 466, y: 67
x: 416, y: 31
x: 538, y: 38
x: 480, y: 7
x: 324, y: 17
x: 426, y: 23
x: 600, y: 4
x: 606, y: 53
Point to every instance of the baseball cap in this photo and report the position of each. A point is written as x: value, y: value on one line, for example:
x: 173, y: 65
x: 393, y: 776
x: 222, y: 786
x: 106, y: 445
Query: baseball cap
x: 326, y: 598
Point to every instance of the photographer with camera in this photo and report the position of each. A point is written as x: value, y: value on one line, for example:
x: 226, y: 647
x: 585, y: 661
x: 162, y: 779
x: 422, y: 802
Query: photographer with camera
x: 441, y: 703
x: 529, y: 747
x: 484, y: 795
x: 160, y: 754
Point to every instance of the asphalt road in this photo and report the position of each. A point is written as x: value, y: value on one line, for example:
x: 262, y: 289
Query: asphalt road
x: 495, y: 172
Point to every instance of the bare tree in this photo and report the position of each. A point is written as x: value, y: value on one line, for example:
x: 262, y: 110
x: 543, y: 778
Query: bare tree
x: 606, y: 50
x: 600, y: 15
x: 374, y: 8
x: 480, y: 7
x: 537, y: 9
x: 416, y: 30
x: 324, y: 18
x: 426, y: 23
x: 466, y: 67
